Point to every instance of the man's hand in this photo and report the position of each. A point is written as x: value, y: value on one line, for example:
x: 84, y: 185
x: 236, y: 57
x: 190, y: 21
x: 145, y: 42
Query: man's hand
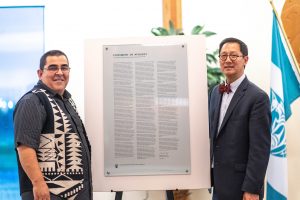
x: 40, y: 190
x: 29, y: 162
x: 249, y: 196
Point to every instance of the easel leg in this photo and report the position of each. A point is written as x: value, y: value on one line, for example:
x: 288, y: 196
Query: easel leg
x: 170, y: 195
x: 119, y: 195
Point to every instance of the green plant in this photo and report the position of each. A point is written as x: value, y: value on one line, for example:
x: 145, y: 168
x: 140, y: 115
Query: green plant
x: 214, y: 74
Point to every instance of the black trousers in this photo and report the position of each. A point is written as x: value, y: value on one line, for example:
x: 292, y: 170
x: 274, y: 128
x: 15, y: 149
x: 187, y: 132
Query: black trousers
x: 215, y: 196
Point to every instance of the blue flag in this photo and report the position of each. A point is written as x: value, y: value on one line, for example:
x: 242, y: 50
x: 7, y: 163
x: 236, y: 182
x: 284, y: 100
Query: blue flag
x: 285, y: 88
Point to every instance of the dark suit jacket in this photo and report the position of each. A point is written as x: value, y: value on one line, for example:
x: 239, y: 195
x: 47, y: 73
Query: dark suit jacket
x: 241, y: 148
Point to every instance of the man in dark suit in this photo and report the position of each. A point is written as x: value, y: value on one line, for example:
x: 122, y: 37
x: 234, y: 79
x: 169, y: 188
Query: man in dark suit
x: 240, y: 120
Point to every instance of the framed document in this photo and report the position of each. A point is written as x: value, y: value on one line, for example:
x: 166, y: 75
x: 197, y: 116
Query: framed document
x: 145, y: 110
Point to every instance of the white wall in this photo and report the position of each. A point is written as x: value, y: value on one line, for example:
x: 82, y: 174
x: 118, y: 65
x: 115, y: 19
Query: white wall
x: 68, y: 23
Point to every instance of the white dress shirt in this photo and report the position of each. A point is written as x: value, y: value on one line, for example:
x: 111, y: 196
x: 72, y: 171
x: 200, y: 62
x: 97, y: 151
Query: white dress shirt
x: 226, y: 99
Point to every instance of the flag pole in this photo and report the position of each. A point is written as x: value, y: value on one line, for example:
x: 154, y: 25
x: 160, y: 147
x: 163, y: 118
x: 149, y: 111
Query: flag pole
x: 285, y: 37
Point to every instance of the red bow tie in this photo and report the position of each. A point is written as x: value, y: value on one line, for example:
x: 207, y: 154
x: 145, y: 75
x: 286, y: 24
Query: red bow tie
x: 224, y: 88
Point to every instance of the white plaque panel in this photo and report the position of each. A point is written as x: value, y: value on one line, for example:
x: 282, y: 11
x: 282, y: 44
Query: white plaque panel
x: 146, y: 113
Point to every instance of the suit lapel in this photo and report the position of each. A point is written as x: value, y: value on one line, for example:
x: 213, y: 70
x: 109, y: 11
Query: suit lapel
x: 235, y: 99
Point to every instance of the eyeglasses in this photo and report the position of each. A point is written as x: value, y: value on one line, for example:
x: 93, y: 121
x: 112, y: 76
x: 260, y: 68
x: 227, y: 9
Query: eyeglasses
x: 233, y: 57
x: 55, y: 68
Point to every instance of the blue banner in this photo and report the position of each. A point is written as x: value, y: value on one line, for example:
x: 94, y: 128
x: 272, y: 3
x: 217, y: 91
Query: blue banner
x: 285, y: 89
x: 21, y: 46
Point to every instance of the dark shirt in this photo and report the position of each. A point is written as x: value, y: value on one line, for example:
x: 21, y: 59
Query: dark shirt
x: 29, y: 119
